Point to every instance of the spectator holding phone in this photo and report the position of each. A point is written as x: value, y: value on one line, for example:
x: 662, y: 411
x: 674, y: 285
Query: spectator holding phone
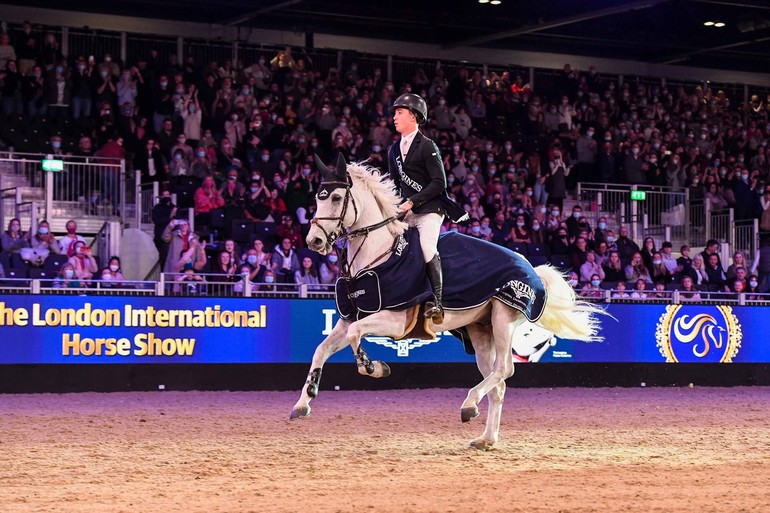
x: 83, y: 262
x: 180, y: 241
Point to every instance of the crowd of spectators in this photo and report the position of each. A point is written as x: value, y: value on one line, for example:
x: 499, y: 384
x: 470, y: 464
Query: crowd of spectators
x: 235, y: 143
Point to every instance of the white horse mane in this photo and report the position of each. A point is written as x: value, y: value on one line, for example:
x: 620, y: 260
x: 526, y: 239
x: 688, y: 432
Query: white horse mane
x: 382, y: 189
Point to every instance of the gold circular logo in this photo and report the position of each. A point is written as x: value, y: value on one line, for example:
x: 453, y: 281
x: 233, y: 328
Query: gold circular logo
x: 698, y: 334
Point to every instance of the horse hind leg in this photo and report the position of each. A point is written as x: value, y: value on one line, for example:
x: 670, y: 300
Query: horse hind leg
x: 485, y: 357
x: 504, y: 321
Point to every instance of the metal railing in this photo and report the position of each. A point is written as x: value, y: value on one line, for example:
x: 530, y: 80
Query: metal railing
x: 746, y: 239
x: 85, y: 186
x: 219, y: 285
x: 59, y: 286
x: 677, y: 297
x: 147, y: 195
x: 663, y: 206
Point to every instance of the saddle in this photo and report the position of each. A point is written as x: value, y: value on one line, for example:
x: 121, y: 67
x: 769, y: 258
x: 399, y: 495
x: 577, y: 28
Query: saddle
x: 419, y: 328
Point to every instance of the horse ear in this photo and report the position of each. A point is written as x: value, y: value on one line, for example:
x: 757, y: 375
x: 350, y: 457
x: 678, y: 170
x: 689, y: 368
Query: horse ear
x: 342, y: 167
x: 321, y: 166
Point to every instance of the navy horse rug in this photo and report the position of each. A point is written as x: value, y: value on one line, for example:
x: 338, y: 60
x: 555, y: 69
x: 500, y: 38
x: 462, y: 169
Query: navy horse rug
x: 474, y: 272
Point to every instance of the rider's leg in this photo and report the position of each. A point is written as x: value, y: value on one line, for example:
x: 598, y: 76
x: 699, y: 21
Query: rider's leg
x: 429, y: 226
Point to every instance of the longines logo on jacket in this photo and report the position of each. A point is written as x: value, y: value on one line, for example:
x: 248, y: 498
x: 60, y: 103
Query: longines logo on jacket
x: 405, y: 178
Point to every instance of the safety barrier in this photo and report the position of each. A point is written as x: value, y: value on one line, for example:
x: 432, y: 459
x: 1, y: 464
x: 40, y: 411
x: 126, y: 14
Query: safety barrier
x: 84, y: 186
x: 219, y: 285
x: 661, y: 208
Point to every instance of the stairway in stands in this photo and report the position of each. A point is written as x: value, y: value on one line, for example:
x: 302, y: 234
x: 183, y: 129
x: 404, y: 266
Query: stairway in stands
x: 62, y: 211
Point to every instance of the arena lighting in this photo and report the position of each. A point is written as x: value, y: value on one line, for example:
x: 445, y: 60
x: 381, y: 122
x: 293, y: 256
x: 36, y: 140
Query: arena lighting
x: 708, y: 23
x: 483, y: 1
x: 495, y: 2
x: 719, y: 24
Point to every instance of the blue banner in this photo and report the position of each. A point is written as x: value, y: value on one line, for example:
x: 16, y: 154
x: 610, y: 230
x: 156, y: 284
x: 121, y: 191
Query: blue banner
x: 109, y: 329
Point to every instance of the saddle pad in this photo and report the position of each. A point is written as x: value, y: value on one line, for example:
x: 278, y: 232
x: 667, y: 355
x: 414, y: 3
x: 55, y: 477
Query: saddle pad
x: 476, y: 270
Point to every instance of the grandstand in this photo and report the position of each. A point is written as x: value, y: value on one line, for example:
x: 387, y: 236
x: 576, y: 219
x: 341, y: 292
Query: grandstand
x: 680, y: 162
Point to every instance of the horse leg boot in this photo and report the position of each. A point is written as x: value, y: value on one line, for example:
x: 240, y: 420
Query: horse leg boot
x: 435, y: 310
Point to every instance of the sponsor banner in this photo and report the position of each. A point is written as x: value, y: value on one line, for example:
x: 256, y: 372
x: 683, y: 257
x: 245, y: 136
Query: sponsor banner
x: 110, y: 329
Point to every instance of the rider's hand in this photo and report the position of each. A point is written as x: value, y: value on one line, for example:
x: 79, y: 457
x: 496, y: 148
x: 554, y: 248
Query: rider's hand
x: 406, y: 206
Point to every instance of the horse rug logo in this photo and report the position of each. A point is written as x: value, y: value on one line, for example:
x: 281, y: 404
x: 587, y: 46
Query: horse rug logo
x: 520, y: 289
x: 688, y: 334
x: 401, y: 245
x: 322, y: 193
x: 356, y: 294
x: 402, y: 347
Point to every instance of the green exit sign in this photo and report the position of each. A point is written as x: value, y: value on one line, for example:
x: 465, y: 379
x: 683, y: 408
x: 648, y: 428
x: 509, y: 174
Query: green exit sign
x: 53, y: 165
x: 638, y: 195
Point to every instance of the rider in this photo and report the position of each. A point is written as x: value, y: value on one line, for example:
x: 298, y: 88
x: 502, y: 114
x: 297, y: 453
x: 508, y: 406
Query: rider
x: 417, y: 170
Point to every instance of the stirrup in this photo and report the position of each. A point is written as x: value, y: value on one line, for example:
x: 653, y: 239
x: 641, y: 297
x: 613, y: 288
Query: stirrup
x: 434, y: 312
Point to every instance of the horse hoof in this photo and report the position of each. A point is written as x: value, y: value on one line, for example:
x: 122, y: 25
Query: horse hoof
x: 299, y: 412
x: 468, y: 414
x: 385, y: 370
x: 481, y: 444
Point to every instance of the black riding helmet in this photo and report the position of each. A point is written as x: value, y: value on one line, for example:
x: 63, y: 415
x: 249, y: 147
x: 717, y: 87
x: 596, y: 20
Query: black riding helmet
x: 414, y: 103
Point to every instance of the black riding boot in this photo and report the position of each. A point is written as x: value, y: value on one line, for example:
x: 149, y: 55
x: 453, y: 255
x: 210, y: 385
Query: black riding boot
x: 435, y: 310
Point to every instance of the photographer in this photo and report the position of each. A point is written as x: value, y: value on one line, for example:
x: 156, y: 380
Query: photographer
x: 180, y: 241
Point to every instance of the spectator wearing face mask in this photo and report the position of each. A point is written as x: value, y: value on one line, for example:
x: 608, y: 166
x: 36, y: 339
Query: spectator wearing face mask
x: 474, y: 207
x: 752, y: 288
x: 520, y: 232
x: 592, y: 288
x: 111, y: 275
x: 13, y: 239
x: 58, y: 91
x: 42, y: 244
x: 66, y: 278
x: 559, y: 243
x: 573, y: 281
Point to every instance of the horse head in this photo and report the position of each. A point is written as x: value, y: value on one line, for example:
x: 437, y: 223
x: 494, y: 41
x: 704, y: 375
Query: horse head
x: 336, y: 207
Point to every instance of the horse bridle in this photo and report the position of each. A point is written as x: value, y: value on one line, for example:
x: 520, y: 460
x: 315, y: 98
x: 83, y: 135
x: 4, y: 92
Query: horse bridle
x: 339, y: 234
x: 339, y: 231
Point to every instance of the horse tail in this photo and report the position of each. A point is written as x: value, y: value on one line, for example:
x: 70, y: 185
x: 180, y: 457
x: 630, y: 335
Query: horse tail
x: 564, y: 314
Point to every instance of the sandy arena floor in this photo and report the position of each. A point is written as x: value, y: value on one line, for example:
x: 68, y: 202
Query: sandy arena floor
x: 571, y: 450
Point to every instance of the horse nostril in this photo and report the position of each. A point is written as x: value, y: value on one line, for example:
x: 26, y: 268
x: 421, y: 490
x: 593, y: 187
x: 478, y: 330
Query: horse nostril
x: 317, y: 242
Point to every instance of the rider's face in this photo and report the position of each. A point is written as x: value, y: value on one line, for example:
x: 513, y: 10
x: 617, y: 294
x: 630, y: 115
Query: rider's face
x: 404, y: 121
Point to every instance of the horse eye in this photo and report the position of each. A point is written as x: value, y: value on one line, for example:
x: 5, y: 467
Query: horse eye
x: 336, y: 198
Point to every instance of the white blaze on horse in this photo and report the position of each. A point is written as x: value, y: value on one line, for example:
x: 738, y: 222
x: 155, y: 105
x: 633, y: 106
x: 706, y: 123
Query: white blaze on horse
x: 358, y: 206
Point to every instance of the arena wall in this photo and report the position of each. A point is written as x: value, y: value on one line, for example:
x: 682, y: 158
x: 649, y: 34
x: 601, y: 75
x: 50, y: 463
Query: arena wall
x: 113, y: 343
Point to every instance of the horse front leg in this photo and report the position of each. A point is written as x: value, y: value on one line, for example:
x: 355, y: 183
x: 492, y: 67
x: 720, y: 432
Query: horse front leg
x: 334, y: 342
x: 385, y: 323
